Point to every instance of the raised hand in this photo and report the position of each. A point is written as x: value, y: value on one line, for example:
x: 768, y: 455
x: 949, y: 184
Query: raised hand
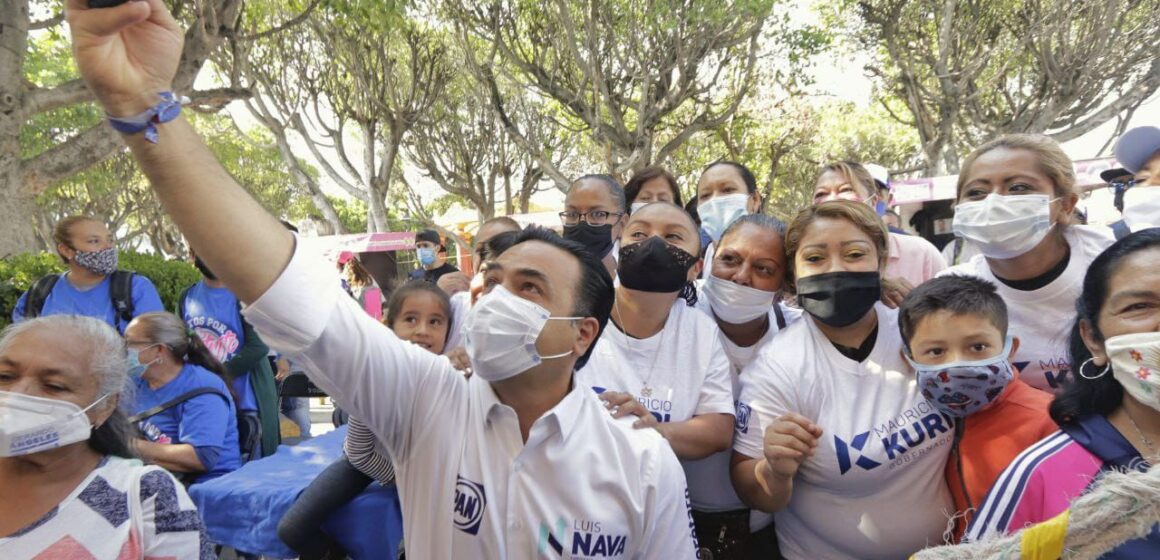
x: 126, y: 54
x: 789, y: 441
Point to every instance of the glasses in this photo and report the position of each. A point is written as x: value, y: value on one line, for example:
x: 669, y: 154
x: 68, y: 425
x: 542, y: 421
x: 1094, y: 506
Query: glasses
x: 593, y: 218
x: 1121, y: 185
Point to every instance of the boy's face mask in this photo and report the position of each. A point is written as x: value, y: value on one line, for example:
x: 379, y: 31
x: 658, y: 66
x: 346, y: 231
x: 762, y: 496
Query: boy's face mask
x: 963, y: 388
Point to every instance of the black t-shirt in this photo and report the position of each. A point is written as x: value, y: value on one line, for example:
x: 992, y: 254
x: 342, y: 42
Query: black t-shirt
x: 435, y: 274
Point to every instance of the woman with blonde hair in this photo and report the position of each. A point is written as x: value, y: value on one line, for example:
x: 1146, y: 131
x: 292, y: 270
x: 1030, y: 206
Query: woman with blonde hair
x: 1016, y: 200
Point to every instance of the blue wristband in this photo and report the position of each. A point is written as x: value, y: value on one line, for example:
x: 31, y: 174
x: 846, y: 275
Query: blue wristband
x: 168, y: 109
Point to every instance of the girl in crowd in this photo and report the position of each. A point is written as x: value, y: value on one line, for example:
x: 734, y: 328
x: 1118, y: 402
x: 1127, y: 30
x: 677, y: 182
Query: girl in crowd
x: 659, y: 359
x: 838, y: 440
x: 651, y: 184
x: 80, y: 494
x: 1016, y: 196
x: 1109, y: 414
x: 912, y: 258
x: 742, y: 294
x: 196, y: 438
x: 363, y: 288
x: 418, y: 312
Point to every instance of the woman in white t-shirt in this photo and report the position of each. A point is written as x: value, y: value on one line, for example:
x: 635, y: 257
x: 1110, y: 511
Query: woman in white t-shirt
x: 833, y: 433
x: 660, y: 359
x: 1016, y: 197
x: 742, y: 294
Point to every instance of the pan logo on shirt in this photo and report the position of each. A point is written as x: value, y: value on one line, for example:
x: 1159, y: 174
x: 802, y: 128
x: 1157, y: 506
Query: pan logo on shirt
x: 589, y: 540
x: 900, y: 439
x: 217, y: 336
x: 470, y: 501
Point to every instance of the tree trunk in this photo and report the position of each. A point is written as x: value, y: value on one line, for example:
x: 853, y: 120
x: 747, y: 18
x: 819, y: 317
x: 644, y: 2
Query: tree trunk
x: 17, y: 231
x: 21, y: 180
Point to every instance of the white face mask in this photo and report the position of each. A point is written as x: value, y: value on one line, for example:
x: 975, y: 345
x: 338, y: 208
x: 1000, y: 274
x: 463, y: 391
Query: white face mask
x: 720, y: 211
x: 734, y: 303
x: 637, y: 206
x: 1135, y: 360
x: 500, y: 334
x: 1004, y: 227
x: 1142, y: 207
x: 32, y: 424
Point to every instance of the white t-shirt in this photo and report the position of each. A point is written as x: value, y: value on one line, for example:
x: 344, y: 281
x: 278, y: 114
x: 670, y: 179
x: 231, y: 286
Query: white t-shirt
x: 684, y: 365
x: 875, y: 486
x: 1043, y: 318
x: 714, y: 490
x: 581, y: 485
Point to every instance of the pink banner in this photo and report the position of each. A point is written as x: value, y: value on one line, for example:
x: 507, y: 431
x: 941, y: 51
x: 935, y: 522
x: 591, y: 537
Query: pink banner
x: 333, y: 245
x: 908, y: 191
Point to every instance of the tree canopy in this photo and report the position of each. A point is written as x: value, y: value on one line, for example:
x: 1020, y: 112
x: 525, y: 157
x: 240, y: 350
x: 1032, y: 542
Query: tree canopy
x: 351, y: 112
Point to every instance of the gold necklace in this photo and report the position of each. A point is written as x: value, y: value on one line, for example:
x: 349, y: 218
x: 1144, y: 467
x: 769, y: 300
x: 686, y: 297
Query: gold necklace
x: 646, y: 389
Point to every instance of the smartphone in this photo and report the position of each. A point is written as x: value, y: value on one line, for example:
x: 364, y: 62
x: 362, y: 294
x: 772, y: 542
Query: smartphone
x: 105, y: 3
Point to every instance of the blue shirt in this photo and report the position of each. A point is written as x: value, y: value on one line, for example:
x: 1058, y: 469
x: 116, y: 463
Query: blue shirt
x: 213, y: 314
x: 66, y: 299
x: 207, y: 422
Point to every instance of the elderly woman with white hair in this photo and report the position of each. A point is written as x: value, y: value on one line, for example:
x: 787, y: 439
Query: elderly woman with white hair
x: 71, y: 486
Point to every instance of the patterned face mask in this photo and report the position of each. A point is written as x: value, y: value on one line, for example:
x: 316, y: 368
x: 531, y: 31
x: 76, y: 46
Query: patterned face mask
x: 963, y: 388
x: 1135, y: 360
x: 102, y: 262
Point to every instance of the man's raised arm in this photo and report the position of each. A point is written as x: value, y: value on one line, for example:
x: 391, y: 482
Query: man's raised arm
x: 127, y: 55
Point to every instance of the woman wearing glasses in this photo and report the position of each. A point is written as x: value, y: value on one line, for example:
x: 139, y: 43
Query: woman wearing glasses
x: 1139, y: 152
x: 593, y: 216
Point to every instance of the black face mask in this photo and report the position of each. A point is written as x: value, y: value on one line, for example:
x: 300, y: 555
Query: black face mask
x: 597, y: 239
x: 203, y: 268
x: 839, y: 299
x: 654, y: 266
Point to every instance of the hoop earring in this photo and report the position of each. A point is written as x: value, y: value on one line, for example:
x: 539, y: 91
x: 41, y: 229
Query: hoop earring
x: 1107, y: 368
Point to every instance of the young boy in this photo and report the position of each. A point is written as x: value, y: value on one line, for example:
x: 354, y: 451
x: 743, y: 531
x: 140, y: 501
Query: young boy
x: 955, y: 331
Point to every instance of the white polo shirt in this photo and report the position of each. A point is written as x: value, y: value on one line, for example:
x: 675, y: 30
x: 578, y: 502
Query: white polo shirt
x: 875, y: 486
x: 460, y: 305
x: 582, y: 486
x: 683, y: 369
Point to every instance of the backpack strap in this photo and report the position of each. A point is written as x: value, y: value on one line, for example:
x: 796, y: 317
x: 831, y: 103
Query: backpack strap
x: 121, y: 292
x: 38, y: 294
x: 174, y: 402
x: 181, y: 303
x: 778, y: 316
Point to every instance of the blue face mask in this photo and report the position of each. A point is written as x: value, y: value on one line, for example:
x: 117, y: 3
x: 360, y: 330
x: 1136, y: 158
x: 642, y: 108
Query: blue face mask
x: 426, y: 256
x: 136, y: 368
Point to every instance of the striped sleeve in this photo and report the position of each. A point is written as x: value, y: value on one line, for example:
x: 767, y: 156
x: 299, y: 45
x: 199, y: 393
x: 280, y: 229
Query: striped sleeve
x: 1016, y: 489
x: 363, y: 452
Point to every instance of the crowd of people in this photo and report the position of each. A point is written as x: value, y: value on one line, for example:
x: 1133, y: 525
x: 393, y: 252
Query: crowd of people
x: 661, y: 379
